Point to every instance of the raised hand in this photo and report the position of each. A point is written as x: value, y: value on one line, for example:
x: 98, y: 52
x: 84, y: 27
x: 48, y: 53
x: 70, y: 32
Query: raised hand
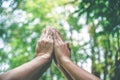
x: 33, y: 69
x: 45, y: 43
x: 57, y: 53
x: 61, y: 49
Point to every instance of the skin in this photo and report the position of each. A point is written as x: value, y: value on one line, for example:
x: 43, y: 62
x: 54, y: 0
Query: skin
x: 49, y: 45
x: 67, y: 76
x: 35, y: 68
x: 62, y: 54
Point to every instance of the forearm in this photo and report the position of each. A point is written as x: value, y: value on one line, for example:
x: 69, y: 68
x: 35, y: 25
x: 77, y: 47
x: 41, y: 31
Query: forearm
x: 67, y: 76
x: 40, y: 72
x: 76, y: 72
x: 25, y: 71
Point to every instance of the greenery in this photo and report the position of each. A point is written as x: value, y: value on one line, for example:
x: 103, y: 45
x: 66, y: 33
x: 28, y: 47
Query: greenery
x: 91, y: 26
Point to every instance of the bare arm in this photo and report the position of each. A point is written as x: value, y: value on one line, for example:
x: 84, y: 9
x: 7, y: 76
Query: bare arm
x: 62, y: 53
x: 35, y: 68
x: 76, y: 72
x: 25, y: 71
x: 67, y: 76
x: 65, y: 73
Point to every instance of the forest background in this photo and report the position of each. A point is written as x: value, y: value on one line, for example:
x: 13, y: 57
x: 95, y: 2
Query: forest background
x: 92, y: 27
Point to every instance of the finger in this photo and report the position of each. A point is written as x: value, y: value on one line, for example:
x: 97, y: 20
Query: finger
x: 43, y: 33
x: 54, y: 33
x: 57, y: 36
x: 48, y: 33
x: 58, y: 33
x: 59, y: 40
x: 68, y: 46
x: 48, y: 36
x: 54, y: 37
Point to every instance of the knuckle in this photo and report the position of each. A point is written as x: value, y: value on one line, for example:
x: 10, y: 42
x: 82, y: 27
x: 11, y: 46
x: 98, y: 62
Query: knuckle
x: 46, y: 41
x: 49, y: 41
x: 40, y: 42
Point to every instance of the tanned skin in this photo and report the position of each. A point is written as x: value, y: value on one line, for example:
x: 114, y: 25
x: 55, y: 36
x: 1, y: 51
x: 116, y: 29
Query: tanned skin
x: 35, y: 68
x: 62, y: 54
x: 50, y: 45
x: 66, y: 74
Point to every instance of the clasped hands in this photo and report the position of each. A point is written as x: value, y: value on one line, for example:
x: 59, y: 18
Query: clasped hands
x: 50, y: 44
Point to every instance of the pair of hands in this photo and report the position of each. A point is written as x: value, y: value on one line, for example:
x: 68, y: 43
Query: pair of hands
x: 51, y: 44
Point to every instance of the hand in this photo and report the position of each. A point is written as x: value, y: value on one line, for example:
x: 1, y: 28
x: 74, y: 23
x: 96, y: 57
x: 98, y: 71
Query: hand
x: 45, y: 43
x: 61, y: 49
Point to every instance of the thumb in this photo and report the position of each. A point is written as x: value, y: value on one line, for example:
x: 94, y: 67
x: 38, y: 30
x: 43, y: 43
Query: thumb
x: 68, y: 46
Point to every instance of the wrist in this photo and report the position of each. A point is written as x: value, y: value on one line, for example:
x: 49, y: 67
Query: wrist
x: 64, y: 59
x: 46, y: 56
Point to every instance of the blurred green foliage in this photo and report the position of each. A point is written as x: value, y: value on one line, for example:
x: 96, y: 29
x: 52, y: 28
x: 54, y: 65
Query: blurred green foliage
x: 21, y: 23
